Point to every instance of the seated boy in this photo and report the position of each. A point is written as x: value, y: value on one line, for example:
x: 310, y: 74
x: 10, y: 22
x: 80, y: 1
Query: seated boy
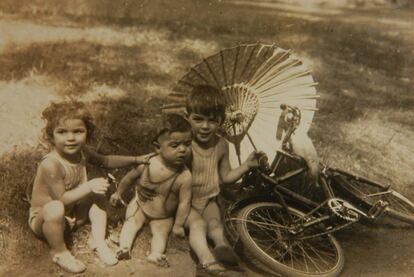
x: 210, y: 167
x: 168, y: 176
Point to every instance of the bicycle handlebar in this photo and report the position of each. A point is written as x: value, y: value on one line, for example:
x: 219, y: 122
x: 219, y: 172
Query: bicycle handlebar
x: 289, y: 120
x: 291, y: 114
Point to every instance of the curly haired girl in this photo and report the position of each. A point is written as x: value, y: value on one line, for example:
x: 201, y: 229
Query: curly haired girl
x: 62, y: 197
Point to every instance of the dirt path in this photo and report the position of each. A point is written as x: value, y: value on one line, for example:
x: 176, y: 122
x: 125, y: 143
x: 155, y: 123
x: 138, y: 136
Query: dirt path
x: 375, y: 251
x: 180, y: 266
x: 370, y: 251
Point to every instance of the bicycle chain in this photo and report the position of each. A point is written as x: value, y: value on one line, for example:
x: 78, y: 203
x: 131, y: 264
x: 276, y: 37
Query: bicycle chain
x: 343, y: 209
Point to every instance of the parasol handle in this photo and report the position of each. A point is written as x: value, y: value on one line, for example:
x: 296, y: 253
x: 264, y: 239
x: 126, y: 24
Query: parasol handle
x: 237, y: 117
x: 263, y: 160
x: 237, y: 148
x: 251, y: 141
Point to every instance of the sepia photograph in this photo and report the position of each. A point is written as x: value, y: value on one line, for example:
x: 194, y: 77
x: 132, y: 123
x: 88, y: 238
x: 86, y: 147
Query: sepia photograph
x: 198, y: 138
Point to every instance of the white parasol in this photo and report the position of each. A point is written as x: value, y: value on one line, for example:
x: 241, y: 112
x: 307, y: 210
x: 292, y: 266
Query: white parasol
x: 255, y: 80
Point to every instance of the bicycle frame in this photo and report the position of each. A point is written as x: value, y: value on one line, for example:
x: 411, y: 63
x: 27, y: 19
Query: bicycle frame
x: 274, y: 190
x: 332, y: 213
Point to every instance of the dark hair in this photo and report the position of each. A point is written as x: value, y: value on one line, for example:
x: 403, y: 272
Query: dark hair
x: 72, y: 109
x: 206, y: 100
x: 172, y: 123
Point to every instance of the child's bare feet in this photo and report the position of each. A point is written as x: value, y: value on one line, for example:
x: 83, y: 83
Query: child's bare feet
x: 211, y: 269
x: 68, y: 262
x: 104, y: 253
x: 158, y: 259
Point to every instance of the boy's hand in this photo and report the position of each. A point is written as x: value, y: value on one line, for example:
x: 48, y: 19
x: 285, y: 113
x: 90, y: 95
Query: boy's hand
x: 114, y: 199
x: 98, y: 185
x: 178, y: 231
x: 254, y: 159
x: 145, y: 194
x: 144, y: 159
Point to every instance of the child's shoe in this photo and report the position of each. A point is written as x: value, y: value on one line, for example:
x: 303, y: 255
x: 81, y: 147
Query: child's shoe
x: 103, y: 252
x: 68, y: 262
x: 226, y: 255
x: 123, y: 254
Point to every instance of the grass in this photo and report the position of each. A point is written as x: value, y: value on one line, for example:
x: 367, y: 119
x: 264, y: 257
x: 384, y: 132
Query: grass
x: 123, y: 58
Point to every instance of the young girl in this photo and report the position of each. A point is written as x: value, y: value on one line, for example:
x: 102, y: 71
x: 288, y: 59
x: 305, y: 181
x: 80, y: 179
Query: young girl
x: 62, y: 197
x: 167, y: 174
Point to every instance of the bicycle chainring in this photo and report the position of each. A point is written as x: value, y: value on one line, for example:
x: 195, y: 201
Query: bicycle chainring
x: 343, y: 209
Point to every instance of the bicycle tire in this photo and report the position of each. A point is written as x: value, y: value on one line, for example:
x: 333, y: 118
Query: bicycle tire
x: 368, y: 192
x: 321, y: 256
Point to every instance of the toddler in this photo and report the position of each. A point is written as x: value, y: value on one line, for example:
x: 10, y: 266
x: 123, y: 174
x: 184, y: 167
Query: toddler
x: 167, y: 175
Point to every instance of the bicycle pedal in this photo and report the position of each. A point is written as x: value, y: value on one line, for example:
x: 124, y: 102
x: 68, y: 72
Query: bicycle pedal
x: 378, y: 209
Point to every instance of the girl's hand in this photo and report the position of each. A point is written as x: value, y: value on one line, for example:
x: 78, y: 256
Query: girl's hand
x: 144, y: 159
x: 98, y: 185
x: 114, y: 199
x: 178, y: 231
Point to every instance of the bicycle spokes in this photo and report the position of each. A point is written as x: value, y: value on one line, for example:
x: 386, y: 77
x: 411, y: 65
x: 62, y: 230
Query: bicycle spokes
x: 328, y: 217
x: 269, y: 226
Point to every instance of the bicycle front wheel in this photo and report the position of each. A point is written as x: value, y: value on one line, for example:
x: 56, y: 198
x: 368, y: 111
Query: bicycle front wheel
x: 263, y: 230
x: 369, y: 193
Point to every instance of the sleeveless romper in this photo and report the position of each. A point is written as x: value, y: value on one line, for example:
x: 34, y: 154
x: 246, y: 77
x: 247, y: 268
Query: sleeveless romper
x: 206, y: 180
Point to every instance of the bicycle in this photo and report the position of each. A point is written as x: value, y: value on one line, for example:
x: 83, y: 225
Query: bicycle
x: 285, y: 232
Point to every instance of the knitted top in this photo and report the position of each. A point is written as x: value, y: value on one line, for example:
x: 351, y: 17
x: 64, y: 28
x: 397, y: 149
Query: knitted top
x: 205, y: 173
x: 75, y: 173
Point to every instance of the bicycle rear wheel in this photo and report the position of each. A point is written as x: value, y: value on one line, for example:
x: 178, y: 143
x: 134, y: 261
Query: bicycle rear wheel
x: 264, y: 233
x: 368, y: 193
